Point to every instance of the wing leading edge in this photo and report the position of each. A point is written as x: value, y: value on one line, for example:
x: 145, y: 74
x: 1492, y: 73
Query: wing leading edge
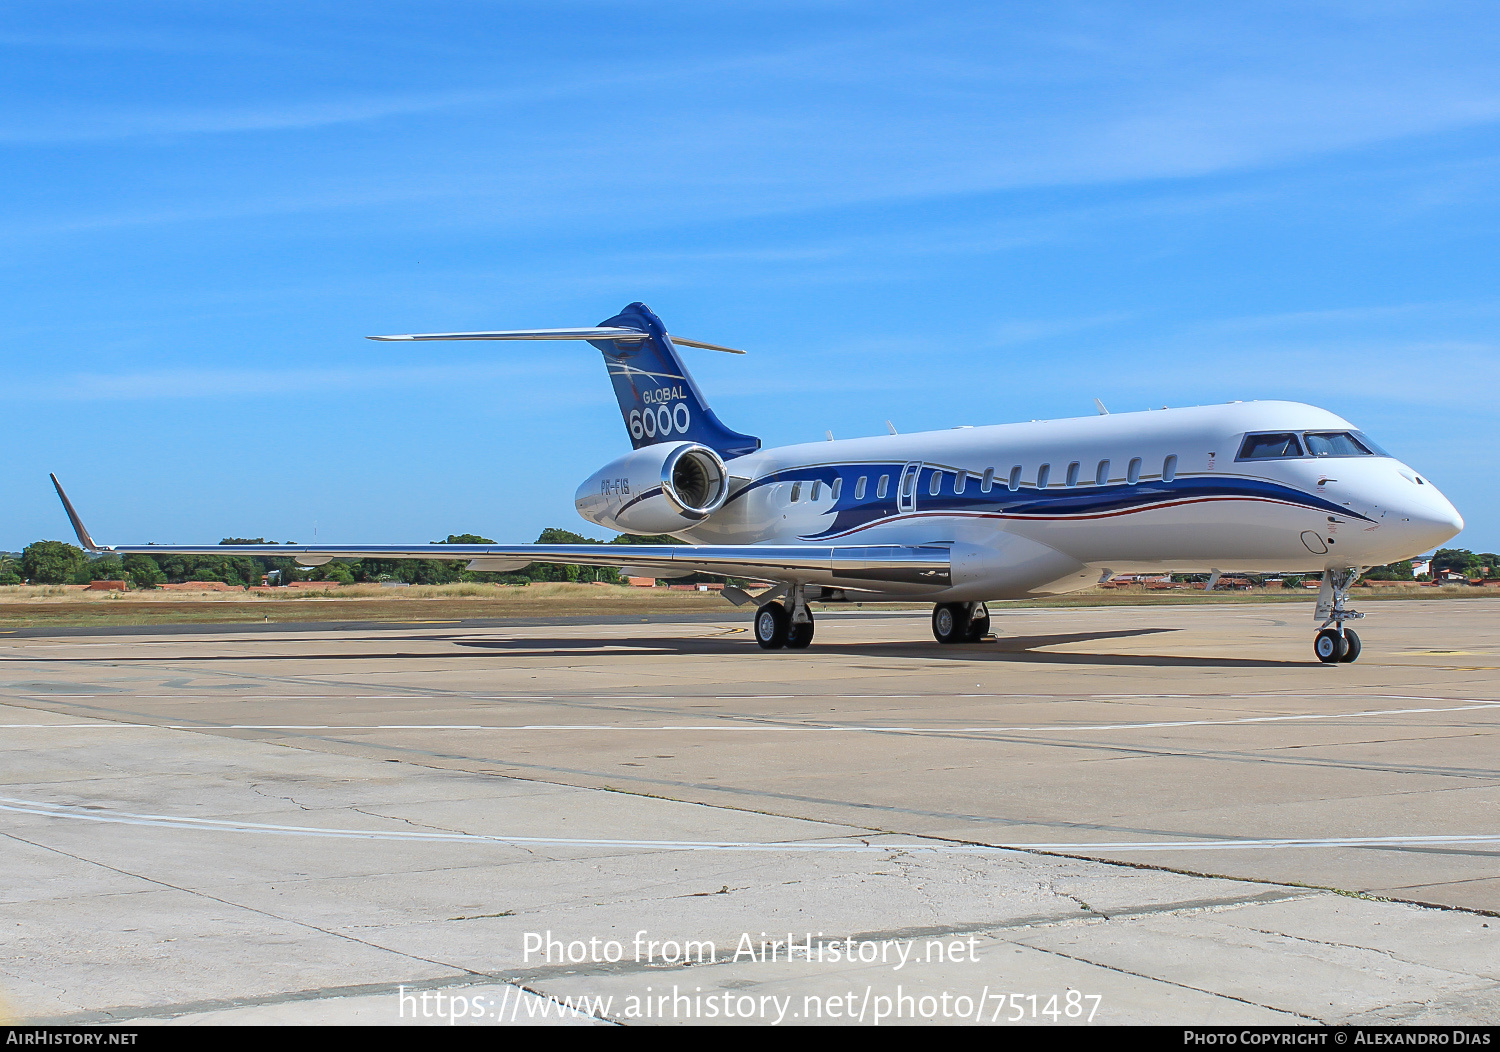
x: 888, y: 567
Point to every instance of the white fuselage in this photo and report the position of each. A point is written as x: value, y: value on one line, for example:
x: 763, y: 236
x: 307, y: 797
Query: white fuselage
x: 1048, y: 506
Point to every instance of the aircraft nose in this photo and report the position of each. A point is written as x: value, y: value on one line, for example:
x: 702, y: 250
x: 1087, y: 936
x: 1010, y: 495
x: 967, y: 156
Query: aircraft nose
x: 1431, y: 520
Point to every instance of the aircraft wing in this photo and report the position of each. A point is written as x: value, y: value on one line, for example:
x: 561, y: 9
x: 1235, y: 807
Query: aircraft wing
x: 886, y: 567
x: 883, y: 567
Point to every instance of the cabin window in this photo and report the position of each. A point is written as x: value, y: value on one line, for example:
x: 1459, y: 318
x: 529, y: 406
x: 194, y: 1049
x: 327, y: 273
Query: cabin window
x: 817, y: 489
x: 986, y: 483
x: 1270, y: 447
x: 1101, y: 473
x: 796, y: 492
x: 1133, y: 472
x: 960, y: 482
x: 859, y: 487
x: 836, y: 489
x: 909, y: 483
x: 1169, y: 468
x: 936, y: 485
x: 1073, y: 473
x: 1043, y: 473
x: 884, y: 485
x: 1015, y: 478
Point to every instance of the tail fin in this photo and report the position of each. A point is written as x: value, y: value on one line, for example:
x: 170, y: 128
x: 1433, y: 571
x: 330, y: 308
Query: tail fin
x: 658, y: 399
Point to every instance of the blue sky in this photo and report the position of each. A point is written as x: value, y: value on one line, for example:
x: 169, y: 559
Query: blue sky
x: 953, y: 214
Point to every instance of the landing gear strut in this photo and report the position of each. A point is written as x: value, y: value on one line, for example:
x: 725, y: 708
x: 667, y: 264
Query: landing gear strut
x: 789, y: 625
x: 1334, y: 643
x: 960, y: 622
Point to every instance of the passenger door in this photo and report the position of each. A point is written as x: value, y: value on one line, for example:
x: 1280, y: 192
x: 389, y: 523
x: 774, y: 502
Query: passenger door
x: 906, y: 493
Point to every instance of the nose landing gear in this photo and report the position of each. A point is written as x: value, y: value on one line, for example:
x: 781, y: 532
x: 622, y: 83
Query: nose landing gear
x: 1334, y: 643
x: 960, y: 622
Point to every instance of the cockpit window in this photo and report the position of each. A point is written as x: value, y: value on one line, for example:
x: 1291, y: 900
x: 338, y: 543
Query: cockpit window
x: 1336, y: 444
x: 1266, y: 447
x: 1369, y: 443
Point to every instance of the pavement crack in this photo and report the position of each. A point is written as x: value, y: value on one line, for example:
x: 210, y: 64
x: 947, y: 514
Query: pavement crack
x: 428, y: 827
x: 256, y: 789
x: 1364, y: 949
x: 1170, y: 982
x: 1081, y: 903
x: 242, y: 906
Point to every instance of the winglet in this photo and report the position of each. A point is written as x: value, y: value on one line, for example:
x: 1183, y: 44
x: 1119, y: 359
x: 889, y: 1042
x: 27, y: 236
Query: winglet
x: 78, y: 526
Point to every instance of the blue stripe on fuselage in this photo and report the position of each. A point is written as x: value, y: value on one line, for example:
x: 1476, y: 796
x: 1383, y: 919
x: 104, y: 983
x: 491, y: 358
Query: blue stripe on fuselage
x: 1053, y: 503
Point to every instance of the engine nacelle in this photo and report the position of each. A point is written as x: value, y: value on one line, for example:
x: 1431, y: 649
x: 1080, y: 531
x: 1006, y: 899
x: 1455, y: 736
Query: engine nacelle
x: 664, y: 488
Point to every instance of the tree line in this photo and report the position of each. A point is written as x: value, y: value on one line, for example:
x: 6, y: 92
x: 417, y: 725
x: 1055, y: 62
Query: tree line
x: 57, y: 562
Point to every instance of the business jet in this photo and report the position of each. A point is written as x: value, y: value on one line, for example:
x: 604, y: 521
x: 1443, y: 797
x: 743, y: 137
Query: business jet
x: 959, y: 518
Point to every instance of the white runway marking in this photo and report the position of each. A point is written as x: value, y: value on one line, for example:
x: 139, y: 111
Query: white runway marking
x: 812, y: 695
x: 49, y: 810
x: 731, y: 723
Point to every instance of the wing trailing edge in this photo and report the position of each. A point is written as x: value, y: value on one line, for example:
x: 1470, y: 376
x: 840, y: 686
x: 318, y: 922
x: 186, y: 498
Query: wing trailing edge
x: 891, y: 566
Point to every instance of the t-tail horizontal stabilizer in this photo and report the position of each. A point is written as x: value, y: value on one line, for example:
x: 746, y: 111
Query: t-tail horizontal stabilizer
x: 598, y: 332
x: 658, y: 398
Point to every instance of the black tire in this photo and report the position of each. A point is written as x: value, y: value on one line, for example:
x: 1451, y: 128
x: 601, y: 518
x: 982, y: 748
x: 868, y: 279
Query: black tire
x: 979, y: 623
x: 798, y: 636
x: 1351, y: 646
x: 771, y: 623
x: 1329, y: 646
x: 950, y: 622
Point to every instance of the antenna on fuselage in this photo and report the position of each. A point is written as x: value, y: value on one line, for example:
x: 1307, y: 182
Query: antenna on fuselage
x: 890, y: 427
x: 1100, y: 405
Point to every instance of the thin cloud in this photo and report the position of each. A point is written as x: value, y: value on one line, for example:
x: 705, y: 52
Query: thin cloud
x: 63, y: 127
x: 169, y: 384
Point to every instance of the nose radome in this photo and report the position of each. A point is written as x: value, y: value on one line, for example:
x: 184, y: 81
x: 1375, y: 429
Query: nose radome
x: 1435, y: 520
x: 1455, y: 521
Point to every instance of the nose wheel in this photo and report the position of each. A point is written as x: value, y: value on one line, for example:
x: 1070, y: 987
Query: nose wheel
x: 1335, y: 643
x: 1331, y: 647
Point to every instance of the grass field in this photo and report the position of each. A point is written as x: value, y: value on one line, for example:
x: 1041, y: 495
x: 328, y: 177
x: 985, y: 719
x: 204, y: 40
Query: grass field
x: 26, y: 606
x: 29, y: 607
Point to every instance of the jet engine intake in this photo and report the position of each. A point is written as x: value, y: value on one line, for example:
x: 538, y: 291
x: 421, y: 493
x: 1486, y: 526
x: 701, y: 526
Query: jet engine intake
x: 693, y: 478
x: 663, y: 488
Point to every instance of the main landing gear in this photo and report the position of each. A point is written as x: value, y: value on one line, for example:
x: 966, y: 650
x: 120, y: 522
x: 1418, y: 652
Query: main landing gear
x: 1334, y: 643
x: 789, y: 625
x: 960, y: 622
